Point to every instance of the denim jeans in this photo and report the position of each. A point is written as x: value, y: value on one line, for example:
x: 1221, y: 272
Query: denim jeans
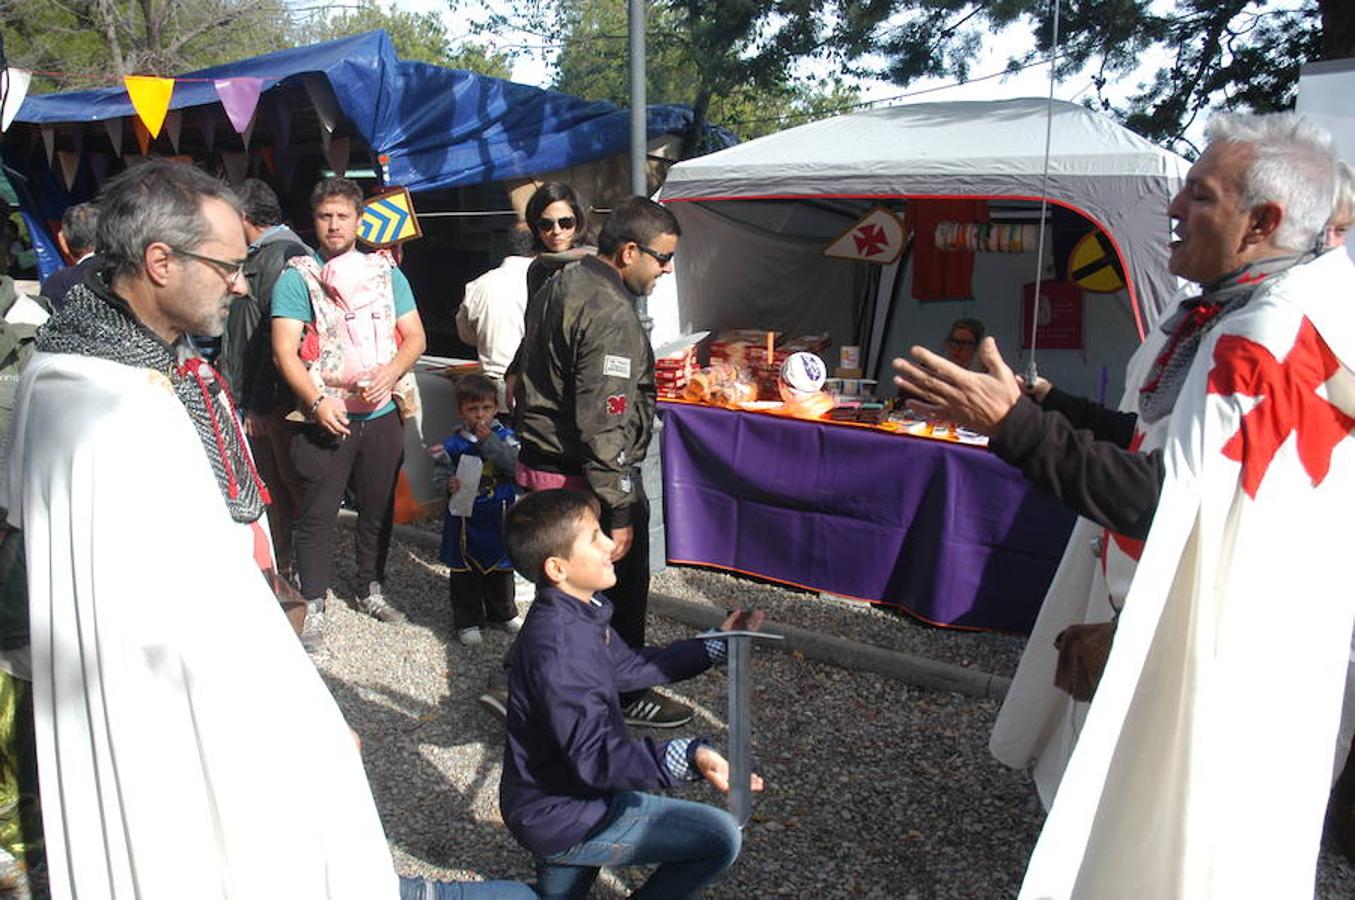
x: 419, y: 889
x: 693, y: 843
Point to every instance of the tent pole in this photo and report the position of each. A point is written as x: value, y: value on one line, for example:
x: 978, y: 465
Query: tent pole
x: 638, y: 136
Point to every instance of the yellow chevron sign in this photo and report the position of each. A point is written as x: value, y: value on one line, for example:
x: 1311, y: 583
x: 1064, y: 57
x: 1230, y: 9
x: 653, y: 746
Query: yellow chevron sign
x: 388, y: 219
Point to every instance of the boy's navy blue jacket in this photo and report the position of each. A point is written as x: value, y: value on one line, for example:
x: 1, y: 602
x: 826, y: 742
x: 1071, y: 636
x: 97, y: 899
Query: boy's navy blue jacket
x: 568, y: 749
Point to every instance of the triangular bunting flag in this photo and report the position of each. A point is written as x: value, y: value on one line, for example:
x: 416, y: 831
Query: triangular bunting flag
x: 114, y: 127
x: 205, y: 119
x: 239, y: 96
x: 150, y: 98
x: 266, y: 157
x: 98, y: 165
x: 286, y: 167
x: 14, y: 87
x: 281, y: 123
x: 173, y: 126
x: 78, y: 139
x: 337, y: 154
x: 143, y: 136
x: 48, y: 140
x: 237, y: 164
x: 877, y: 237
x: 249, y: 131
x: 323, y: 99
x: 70, y: 166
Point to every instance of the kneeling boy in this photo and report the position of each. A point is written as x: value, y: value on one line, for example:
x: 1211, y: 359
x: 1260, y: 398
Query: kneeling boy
x: 572, y: 776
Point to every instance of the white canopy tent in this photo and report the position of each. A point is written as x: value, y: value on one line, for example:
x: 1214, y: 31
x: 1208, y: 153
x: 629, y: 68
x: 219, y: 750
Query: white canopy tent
x: 755, y: 218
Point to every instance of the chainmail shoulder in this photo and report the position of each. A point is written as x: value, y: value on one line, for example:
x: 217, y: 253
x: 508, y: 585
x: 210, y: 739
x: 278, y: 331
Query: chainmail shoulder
x: 100, y: 324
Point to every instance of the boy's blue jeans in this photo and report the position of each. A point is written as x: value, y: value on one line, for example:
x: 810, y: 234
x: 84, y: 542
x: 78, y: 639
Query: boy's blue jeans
x: 693, y: 843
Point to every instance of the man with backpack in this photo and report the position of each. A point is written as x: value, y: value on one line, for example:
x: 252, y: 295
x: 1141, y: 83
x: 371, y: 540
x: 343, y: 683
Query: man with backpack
x: 246, y: 360
x: 345, y: 332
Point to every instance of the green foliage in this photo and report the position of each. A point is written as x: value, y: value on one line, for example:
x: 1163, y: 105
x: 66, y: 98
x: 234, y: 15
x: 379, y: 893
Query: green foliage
x: 732, y: 61
x: 87, y: 42
x: 416, y: 36
x: 1231, y: 54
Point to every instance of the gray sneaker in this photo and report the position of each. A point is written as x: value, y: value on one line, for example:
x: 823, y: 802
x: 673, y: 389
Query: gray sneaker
x: 375, y: 605
x: 313, y: 627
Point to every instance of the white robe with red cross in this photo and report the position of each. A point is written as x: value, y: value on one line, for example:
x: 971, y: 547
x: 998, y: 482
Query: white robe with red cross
x: 1203, y: 765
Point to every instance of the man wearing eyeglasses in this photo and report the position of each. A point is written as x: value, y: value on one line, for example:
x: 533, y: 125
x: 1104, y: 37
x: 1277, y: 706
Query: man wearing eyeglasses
x: 586, y: 403
x: 165, y: 702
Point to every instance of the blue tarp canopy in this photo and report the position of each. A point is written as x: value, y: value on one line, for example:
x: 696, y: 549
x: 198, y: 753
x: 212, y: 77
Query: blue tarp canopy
x: 437, y: 127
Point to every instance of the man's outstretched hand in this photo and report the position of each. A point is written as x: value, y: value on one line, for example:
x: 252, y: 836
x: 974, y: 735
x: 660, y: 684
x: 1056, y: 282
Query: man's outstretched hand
x: 715, y: 769
x: 974, y: 400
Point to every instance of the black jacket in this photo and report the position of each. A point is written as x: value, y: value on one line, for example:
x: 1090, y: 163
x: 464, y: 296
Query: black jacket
x: 1079, y: 452
x: 585, y: 397
x: 246, y: 357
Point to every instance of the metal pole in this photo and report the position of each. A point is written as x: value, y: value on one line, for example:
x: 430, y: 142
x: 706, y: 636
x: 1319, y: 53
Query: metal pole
x: 639, y: 138
x: 740, y: 731
x: 739, y: 661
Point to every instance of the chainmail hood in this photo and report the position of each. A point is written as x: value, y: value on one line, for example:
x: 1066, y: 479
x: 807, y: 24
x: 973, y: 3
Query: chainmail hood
x: 1192, y: 320
x: 96, y: 322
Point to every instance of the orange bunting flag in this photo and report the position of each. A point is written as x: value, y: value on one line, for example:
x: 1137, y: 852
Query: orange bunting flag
x: 150, y: 98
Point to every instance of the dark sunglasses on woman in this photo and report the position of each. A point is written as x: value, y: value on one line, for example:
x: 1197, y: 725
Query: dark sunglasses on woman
x: 565, y: 222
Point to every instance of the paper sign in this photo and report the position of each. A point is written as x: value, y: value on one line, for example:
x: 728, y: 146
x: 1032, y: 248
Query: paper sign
x: 468, y: 470
x: 1060, y: 316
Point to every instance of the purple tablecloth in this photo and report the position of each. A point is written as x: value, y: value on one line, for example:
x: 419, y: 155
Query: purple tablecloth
x: 951, y: 533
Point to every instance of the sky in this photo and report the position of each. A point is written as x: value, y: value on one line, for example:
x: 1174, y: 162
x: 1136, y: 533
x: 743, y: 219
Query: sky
x: 532, y: 68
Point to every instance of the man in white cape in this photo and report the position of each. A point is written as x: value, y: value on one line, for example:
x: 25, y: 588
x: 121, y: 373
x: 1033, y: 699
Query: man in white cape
x: 1203, y: 765
x: 170, y: 694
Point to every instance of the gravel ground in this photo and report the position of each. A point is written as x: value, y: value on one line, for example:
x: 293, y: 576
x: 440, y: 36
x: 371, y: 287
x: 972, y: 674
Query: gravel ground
x: 874, y: 789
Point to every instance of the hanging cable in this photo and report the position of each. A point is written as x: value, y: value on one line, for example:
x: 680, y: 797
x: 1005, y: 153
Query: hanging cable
x: 1032, y: 371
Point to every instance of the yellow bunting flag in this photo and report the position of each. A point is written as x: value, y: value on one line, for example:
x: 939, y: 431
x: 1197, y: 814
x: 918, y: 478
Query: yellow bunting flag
x: 388, y: 219
x: 150, y: 98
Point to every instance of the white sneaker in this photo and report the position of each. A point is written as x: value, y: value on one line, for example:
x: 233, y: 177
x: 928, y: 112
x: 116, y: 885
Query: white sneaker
x: 470, y: 636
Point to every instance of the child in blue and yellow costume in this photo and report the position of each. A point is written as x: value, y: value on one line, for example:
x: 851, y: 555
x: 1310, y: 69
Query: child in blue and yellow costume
x: 481, y: 584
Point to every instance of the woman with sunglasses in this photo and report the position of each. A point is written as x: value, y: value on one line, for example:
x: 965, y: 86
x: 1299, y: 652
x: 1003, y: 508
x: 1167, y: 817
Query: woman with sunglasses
x: 558, y: 226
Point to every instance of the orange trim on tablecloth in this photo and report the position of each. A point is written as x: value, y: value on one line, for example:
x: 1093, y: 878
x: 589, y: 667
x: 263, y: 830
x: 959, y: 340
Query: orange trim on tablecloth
x: 886, y: 429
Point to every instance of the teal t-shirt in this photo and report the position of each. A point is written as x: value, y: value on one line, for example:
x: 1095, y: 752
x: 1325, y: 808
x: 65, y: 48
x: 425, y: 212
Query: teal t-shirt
x: 291, y: 300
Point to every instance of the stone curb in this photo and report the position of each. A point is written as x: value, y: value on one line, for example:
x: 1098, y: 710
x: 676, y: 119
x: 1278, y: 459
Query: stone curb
x: 918, y: 671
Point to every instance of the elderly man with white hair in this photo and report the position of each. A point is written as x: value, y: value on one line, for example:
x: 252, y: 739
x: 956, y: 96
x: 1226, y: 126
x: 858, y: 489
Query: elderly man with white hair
x: 1214, y: 504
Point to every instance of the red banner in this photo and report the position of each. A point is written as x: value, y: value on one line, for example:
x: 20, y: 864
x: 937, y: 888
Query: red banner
x: 1060, y: 325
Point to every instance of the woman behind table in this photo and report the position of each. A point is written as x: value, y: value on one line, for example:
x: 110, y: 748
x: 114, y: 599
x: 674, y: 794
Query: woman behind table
x: 960, y: 346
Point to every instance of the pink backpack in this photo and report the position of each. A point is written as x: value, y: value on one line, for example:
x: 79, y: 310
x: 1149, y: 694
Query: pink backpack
x: 354, y: 306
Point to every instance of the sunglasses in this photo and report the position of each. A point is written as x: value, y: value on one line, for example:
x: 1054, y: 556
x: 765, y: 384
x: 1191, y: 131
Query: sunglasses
x: 663, y: 258
x: 566, y: 223
x: 230, y: 269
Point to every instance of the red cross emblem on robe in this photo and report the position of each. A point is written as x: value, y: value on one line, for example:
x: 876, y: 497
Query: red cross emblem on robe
x: 1287, y: 403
